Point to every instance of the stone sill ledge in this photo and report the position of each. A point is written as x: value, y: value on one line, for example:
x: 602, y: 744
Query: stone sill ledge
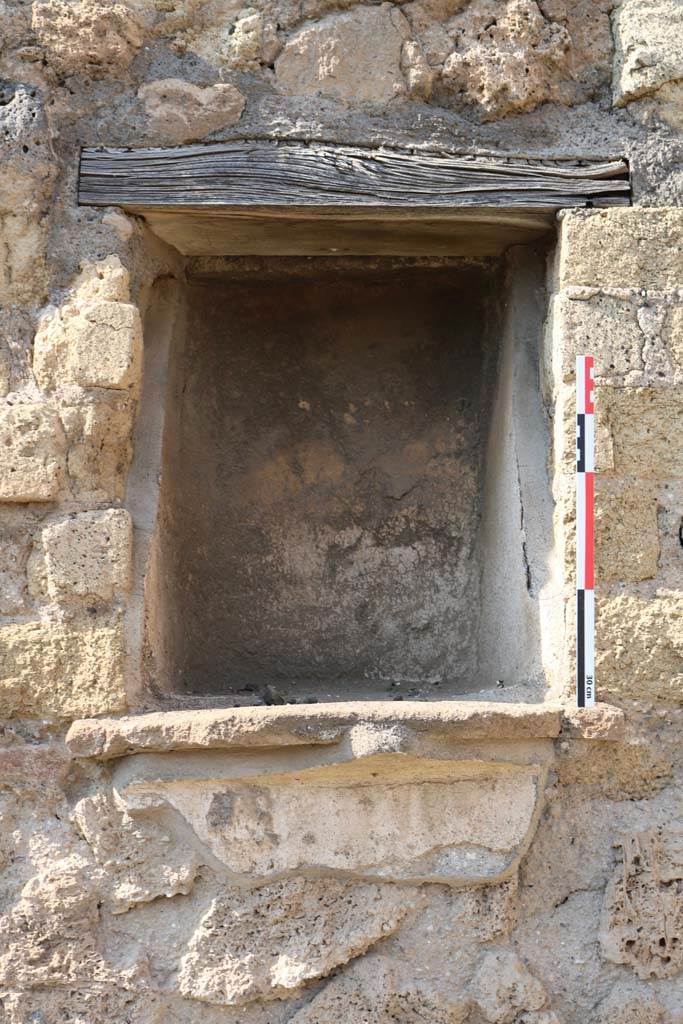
x: 322, y: 724
x: 448, y: 792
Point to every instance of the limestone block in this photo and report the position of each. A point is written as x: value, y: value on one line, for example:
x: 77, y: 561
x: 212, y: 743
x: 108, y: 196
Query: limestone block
x: 5, y: 373
x: 253, y: 41
x: 23, y: 273
x: 18, y: 523
x: 105, y: 1003
x: 99, y: 446
x: 88, y: 555
x: 635, y: 340
x: 631, y: 541
x: 628, y: 1008
x: 300, y: 929
x: 16, y: 332
x: 642, y: 919
x: 105, y: 280
x: 419, y: 75
x: 205, y: 28
x: 34, y: 765
x: 669, y: 506
x: 538, y: 1017
x: 643, y: 424
x: 31, y: 453
x: 93, y: 37
x: 97, y: 344
x: 649, y: 47
x: 626, y: 532
x: 26, y: 178
x: 54, y: 669
x: 424, y: 820
x: 123, y: 225
x: 180, y: 112
x: 506, y: 61
x: 640, y: 647
x: 27, y: 170
x: 625, y: 247
x: 503, y: 988
x: 672, y: 334
x: 353, y: 57
x: 375, y: 990
x: 615, y: 770
x: 602, y: 722
x: 49, y: 938
x: 16, y: 24
x: 140, y: 862
x: 564, y: 431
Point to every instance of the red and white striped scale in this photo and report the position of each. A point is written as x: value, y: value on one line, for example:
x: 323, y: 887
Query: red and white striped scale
x: 585, y: 533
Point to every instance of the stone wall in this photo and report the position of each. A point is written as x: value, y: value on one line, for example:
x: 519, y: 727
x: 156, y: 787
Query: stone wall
x: 117, y: 903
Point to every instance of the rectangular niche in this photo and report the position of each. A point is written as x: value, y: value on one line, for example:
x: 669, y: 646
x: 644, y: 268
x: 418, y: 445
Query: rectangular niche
x: 340, y: 506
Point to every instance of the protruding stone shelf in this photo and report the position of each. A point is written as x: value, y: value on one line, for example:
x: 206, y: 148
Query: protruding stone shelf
x: 410, y: 792
x: 417, y: 792
x: 304, y: 724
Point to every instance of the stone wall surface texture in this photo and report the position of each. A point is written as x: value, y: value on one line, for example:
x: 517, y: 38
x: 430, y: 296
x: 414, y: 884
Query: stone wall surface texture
x: 202, y: 894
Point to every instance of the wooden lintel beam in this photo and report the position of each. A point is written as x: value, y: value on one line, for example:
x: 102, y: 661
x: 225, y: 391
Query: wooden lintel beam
x: 267, y: 175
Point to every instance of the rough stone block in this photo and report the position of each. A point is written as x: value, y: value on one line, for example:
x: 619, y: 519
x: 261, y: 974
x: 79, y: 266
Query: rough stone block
x: 375, y: 989
x: 31, y: 453
x: 27, y: 174
x: 180, y: 112
x: 302, y: 929
x: 627, y: 1007
x: 672, y: 334
x: 644, y: 425
x: 628, y: 531
x: 60, y: 670
x: 88, y: 555
x: 17, y: 523
x: 105, y: 280
x: 5, y: 373
x: 94, y: 37
x: 508, y: 57
x: 35, y: 765
x: 649, y: 52
x: 564, y: 432
x: 99, y: 446
x: 602, y: 722
x: 253, y: 41
x: 624, y: 247
x: 23, y: 270
x: 96, y: 345
x: 669, y: 508
x: 503, y: 988
x: 640, y: 648
x: 354, y: 57
x: 140, y: 862
x: 47, y: 935
x: 115, y: 1000
x: 626, y: 534
x: 49, y: 941
x: 635, y: 340
x: 642, y: 919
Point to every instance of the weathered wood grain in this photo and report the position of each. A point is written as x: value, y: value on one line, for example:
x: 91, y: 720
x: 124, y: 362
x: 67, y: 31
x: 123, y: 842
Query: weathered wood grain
x: 286, y: 174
